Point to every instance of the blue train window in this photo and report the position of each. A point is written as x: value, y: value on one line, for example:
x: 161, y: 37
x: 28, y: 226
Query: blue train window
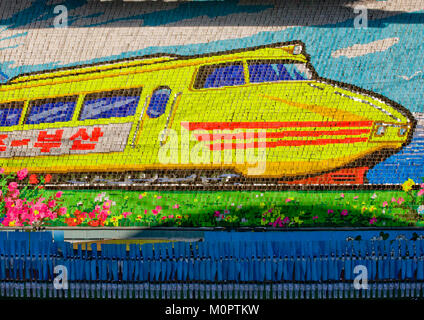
x: 220, y: 75
x: 110, y: 104
x: 272, y: 71
x: 51, y: 110
x: 158, y: 101
x: 10, y: 113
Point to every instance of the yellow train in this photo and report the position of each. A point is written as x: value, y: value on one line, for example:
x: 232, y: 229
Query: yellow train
x: 168, y: 112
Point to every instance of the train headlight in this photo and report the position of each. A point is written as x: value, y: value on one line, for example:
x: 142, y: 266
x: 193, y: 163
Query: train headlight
x: 402, y: 131
x: 297, y: 49
x: 381, y: 130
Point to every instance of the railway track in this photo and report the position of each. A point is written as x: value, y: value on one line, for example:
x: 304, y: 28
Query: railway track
x: 238, y: 187
x: 191, y: 181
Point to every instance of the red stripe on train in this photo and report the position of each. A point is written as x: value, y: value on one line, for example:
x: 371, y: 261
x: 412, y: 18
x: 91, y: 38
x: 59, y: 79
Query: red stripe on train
x: 271, y: 125
x: 342, y: 176
x: 256, y: 135
x: 283, y: 143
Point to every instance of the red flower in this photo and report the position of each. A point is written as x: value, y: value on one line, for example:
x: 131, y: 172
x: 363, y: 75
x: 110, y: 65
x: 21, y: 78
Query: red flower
x: 77, y: 213
x: 72, y: 222
x: 33, y: 179
x: 93, y: 223
x: 48, y: 178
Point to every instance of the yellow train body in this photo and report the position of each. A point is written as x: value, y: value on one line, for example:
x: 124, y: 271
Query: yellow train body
x: 121, y: 116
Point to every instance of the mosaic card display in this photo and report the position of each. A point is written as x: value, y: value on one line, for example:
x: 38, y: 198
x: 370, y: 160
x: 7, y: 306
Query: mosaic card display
x: 211, y: 114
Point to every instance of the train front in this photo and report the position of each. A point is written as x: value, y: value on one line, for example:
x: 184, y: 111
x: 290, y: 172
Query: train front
x: 336, y: 129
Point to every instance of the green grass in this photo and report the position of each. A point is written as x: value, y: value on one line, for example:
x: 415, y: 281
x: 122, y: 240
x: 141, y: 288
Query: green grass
x: 247, y: 208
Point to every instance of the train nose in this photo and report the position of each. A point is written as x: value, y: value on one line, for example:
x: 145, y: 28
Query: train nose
x: 390, y: 132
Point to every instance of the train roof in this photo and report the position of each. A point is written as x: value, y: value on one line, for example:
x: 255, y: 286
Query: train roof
x: 278, y: 50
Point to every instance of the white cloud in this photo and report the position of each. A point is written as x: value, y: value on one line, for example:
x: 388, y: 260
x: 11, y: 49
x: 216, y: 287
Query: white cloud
x: 358, y: 50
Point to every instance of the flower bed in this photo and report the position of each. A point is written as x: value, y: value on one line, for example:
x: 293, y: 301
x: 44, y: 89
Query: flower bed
x: 32, y: 205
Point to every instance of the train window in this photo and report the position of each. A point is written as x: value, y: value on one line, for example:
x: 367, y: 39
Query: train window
x: 51, y: 110
x: 158, y: 101
x: 220, y: 75
x: 272, y: 71
x: 110, y: 104
x: 10, y: 113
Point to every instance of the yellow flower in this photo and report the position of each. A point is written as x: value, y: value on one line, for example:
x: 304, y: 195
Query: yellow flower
x: 12, y: 223
x: 36, y: 212
x: 407, y: 185
x: 372, y: 208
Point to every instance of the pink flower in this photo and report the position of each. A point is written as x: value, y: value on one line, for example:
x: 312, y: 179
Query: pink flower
x: 58, y: 194
x: 171, y: 216
x: 393, y: 199
x: 155, y: 212
x: 175, y: 206
x: 126, y: 214
x: 22, y: 173
x: 1, y: 170
x: 158, y: 208
x: 145, y: 211
x: 344, y: 212
x: 288, y: 200
x: 400, y: 200
x: 286, y: 220
x: 342, y: 195
x: 373, y: 220
x: 52, y: 203
x: 277, y: 221
x: 385, y: 203
x: 315, y: 217
x: 330, y: 211
x: 12, y: 186
x: 140, y: 196
x: 420, y: 193
x: 62, y: 210
x: 216, y: 214
x: 14, y: 194
x: 355, y: 197
x: 106, y: 205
